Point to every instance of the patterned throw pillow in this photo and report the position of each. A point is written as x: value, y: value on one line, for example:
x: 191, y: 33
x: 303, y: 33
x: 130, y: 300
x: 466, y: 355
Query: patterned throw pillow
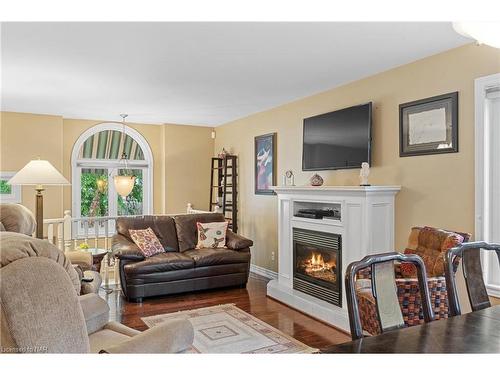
x: 146, y: 241
x: 212, y: 235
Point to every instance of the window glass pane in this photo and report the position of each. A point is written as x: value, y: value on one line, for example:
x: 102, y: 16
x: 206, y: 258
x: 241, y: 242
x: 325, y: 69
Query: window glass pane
x: 133, y: 203
x: 94, y: 192
x: 5, y: 188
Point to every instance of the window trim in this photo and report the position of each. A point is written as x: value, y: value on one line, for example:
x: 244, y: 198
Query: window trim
x: 483, y: 161
x: 76, y: 163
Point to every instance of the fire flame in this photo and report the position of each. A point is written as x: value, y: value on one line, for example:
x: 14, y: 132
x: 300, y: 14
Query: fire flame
x: 317, y: 263
x: 317, y: 260
x: 317, y: 267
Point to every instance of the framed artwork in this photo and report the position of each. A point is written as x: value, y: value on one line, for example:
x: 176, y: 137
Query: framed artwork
x: 429, y: 126
x: 9, y: 193
x: 265, y: 163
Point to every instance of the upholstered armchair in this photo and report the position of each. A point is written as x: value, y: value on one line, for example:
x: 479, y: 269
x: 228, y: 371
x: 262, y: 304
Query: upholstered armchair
x: 16, y: 218
x: 41, y: 311
x: 431, y: 245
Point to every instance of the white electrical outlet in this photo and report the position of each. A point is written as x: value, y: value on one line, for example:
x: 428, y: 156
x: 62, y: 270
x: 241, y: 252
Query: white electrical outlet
x: 272, y: 256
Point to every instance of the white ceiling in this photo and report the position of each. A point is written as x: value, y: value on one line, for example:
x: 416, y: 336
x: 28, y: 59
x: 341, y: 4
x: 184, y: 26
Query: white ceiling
x: 197, y: 73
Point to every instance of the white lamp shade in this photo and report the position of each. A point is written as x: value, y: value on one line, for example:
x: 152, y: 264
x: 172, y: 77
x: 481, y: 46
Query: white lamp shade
x: 124, y: 185
x: 38, y: 172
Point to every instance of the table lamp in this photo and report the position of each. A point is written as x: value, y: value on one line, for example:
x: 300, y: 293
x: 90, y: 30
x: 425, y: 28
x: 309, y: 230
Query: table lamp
x: 38, y: 173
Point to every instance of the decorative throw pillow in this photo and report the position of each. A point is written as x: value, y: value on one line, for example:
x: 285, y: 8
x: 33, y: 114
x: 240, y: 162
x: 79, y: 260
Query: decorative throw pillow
x: 211, y: 235
x: 146, y: 241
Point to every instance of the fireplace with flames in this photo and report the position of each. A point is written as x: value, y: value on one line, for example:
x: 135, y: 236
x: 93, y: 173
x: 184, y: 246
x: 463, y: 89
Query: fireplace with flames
x: 317, y: 268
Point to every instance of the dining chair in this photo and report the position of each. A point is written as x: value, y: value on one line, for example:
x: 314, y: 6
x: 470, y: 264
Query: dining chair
x: 431, y: 245
x: 470, y: 253
x: 384, y: 291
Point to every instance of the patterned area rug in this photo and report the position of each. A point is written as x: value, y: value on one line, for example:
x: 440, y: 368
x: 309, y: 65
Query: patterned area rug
x: 228, y: 329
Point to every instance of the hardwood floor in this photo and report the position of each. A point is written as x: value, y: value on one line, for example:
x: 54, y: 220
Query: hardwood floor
x: 253, y: 300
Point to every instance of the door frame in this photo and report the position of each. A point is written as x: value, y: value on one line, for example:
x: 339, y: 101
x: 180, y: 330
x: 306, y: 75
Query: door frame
x: 483, y: 210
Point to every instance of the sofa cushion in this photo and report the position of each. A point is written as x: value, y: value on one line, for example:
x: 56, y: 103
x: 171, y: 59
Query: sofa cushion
x: 209, y: 257
x: 160, y: 263
x: 187, y: 232
x: 163, y: 226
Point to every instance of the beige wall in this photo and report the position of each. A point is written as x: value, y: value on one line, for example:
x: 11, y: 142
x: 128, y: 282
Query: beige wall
x: 188, y: 151
x: 181, y: 172
x: 437, y: 190
x: 24, y: 137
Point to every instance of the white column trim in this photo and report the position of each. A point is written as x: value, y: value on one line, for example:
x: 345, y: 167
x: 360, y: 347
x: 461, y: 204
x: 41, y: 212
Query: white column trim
x: 482, y: 219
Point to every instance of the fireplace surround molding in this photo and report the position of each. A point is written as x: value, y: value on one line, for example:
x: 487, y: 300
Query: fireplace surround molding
x: 366, y: 226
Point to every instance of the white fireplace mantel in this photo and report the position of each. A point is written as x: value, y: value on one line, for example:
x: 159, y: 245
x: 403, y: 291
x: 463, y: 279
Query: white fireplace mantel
x: 366, y: 227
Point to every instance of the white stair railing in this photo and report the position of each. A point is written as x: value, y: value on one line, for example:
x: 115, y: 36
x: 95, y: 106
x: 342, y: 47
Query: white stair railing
x: 191, y: 210
x: 68, y: 232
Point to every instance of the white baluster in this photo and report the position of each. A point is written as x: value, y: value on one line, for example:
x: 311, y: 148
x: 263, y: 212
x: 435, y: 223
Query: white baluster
x: 106, y: 234
x: 50, y: 233
x: 86, y: 231
x: 106, y: 246
x: 116, y: 271
x: 96, y: 233
x: 60, y: 234
x: 67, y: 231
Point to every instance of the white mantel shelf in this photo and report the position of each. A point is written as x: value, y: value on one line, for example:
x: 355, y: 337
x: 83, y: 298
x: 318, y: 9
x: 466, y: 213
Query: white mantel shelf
x: 366, y: 227
x: 309, y: 189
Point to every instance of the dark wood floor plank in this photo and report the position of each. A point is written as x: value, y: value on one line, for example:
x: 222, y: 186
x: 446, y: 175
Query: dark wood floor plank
x: 253, y: 300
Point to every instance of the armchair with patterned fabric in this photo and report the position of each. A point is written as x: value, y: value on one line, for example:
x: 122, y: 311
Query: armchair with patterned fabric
x: 431, y: 245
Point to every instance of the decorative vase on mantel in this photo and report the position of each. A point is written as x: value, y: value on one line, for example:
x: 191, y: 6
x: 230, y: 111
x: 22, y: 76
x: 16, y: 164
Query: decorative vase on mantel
x: 316, y: 180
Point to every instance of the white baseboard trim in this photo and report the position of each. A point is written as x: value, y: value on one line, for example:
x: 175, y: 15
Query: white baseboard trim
x: 493, y: 290
x: 263, y: 272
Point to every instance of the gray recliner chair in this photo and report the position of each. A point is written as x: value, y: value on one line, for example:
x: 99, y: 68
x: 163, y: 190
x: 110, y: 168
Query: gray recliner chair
x: 16, y: 218
x: 41, y: 312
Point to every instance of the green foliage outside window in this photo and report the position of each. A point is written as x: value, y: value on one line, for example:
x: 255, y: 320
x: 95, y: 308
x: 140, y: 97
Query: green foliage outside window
x: 94, y: 203
x: 90, y: 193
x: 5, y: 188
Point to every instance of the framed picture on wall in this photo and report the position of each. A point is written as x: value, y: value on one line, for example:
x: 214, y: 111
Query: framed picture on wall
x: 429, y: 126
x: 265, y: 163
x: 9, y: 193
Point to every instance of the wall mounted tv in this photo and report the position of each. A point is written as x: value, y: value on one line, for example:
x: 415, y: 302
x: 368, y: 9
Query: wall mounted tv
x: 337, y: 140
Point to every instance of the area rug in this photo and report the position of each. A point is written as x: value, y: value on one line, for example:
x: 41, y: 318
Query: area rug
x: 228, y: 329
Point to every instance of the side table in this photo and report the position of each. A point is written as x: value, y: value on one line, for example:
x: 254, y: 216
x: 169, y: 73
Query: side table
x: 97, y: 257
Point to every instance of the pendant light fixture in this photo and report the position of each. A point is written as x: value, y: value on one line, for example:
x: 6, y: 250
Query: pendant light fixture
x: 124, y: 183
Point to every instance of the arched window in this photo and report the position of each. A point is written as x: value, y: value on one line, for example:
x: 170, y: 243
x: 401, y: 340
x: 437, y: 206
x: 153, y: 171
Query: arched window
x: 96, y: 160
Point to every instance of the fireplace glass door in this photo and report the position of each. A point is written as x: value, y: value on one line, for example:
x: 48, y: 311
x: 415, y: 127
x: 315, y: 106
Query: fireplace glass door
x: 317, y: 267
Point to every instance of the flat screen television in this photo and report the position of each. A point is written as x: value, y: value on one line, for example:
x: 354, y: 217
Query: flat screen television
x: 337, y: 140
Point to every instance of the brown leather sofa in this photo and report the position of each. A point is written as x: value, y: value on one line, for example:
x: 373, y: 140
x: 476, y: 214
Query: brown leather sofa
x: 182, y: 267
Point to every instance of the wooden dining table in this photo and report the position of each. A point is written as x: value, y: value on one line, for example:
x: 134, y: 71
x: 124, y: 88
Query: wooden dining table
x: 475, y: 332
